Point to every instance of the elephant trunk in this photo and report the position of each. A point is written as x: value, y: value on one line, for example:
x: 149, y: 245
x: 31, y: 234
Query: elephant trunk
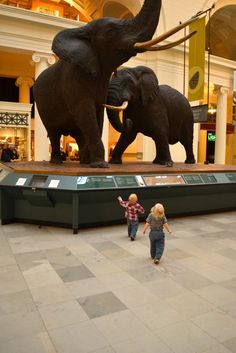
x: 114, y: 99
x: 145, y: 22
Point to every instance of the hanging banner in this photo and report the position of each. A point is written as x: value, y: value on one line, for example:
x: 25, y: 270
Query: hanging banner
x: 234, y: 100
x: 196, y: 60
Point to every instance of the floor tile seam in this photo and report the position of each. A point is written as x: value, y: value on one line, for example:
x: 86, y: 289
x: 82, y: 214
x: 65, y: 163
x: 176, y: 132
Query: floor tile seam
x: 113, y: 345
x: 30, y: 336
x: 91, y: 321
x: 36, y: 308
x: 207, y: 333
x: 217, y: 306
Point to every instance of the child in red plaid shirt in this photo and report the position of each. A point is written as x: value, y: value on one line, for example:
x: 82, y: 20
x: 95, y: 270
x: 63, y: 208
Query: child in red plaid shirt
x: 132, y: 209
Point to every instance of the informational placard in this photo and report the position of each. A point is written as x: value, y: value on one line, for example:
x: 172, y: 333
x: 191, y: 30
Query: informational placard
x: 163, y: 180
x: 192, y: 179
x: 123, y: 181
x: 200, y: 113
x: 209, y: 178
x: 96, y: 182
x: 21, y: 181
x: 231, y: 177
x: 54, y: 183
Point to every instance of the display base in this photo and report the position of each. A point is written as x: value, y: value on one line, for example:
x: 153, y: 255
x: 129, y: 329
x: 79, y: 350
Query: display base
x: 75, y: 168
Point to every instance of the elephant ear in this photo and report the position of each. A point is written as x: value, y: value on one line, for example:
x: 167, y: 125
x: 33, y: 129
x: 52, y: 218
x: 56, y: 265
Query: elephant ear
x: 149, y: 88
x: 72, y: 45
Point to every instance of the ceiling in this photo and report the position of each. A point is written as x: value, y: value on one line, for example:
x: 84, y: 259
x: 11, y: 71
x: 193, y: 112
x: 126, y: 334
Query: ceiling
x: 222, y: 24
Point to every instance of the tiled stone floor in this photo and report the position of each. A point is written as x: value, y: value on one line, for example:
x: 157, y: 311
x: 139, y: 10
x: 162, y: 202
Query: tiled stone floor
x: 98, y: 292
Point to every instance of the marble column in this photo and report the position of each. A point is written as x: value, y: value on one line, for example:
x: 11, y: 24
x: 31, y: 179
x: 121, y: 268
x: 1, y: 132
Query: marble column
x: 25, y: 83
x: 221, y: 126
x: 41, y: 142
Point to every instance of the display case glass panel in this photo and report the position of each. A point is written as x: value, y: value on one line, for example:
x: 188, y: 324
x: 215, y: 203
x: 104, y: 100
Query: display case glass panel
x: 193, y: 179
x: 231, y: 177
x: 96, y: 182
x: 163, y: 180
x: 208, y: 178
x: 38, y: 181
x: 126, y: 181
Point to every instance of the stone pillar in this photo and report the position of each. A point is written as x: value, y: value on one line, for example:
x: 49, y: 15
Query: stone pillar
x: 202, y: 146
x: 221, y: 126
x: 24, y: 83
x: 149, y: 149
x: 41, y: 142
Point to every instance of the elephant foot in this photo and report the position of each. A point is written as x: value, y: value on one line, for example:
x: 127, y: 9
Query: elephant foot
x: 84, y: 161
x: 190, y: 161
x: 56, y: 160
x: 100, y: 164
x: 161, y: 162
x: 115, y: 161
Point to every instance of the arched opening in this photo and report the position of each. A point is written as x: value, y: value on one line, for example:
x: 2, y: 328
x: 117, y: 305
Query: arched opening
x: 115, y: 9
x: 222, y: 26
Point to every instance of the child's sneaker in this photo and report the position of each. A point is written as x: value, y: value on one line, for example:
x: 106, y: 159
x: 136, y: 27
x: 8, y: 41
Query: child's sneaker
x: 156, y: 261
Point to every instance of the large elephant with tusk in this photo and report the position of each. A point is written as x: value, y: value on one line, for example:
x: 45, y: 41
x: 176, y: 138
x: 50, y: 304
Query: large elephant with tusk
x: 70, y: 94
x: 157, y: 111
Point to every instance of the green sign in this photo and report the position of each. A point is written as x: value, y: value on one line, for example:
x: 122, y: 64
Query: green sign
x: 211, y: 137
x: 126, y: 181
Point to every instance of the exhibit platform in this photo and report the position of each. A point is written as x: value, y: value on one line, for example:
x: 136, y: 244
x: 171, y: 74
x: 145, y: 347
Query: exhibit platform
x: 69, y: 193
x: 75, y: 168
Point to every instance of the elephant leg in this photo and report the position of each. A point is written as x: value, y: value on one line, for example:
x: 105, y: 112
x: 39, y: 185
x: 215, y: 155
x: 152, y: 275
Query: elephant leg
x: 92, y: 137
x: 124, y: 141
x: 83, y: 149
x: 188, y: 146
x: 163, y: 156
x: 55, y: 143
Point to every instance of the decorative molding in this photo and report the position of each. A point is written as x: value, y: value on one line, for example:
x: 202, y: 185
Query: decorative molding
x: 14, y: 119
x: 21, y: 42
x: 33, y: 16
x: 12, y: 107
x: 223, y: 90
x: 49, y: 58
x: 24, y: 79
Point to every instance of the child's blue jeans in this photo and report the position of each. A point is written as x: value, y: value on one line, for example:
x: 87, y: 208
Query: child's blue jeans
x: 132, y: 228
x: 157, y: 243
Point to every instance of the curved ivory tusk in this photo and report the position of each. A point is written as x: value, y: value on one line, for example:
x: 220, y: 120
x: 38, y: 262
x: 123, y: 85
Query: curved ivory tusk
x: 164, y: 36
x: 171, y: 45
x: 120, y: 108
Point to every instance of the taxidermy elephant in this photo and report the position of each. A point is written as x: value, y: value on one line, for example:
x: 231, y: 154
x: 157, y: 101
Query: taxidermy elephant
x: 70, y: 94
x: 158, y: 111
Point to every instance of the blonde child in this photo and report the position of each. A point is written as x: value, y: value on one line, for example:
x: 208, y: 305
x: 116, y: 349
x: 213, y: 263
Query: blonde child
x: 132, y: 209
x: 156, y: 220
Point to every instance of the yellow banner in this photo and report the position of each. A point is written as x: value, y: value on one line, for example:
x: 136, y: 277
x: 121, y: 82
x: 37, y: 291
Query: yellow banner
x: 196, y: 60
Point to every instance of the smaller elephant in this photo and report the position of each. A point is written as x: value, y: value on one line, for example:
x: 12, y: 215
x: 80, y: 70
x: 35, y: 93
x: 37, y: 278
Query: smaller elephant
x: 157, y: 111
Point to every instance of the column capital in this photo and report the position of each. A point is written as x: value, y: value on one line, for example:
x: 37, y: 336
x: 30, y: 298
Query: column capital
x: 48, y: 58
x: 24, y: 79
x: 224, y: 90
